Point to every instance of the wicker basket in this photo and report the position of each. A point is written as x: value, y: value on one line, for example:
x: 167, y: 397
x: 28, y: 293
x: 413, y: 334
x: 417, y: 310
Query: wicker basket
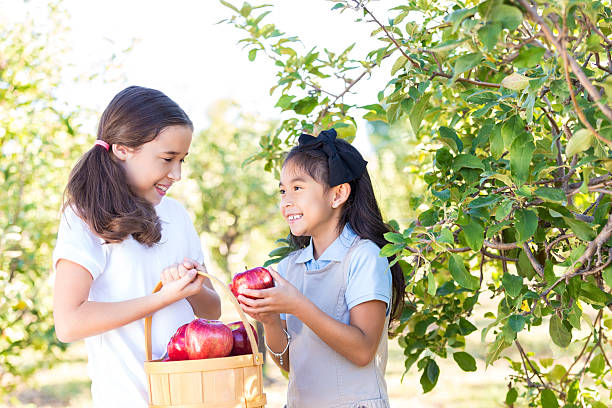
x: 225, y: 382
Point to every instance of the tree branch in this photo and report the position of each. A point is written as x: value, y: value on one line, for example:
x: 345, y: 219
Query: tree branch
x: 582, y: 78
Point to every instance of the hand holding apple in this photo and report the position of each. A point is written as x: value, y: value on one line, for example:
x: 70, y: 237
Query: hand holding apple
x: 256, y: 278
x: 282, y: 298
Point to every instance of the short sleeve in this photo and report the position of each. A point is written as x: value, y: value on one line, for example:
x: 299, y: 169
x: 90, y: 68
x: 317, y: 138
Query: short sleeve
x: 369, y: 276
x: 77, y: 243
x: 282, y: 271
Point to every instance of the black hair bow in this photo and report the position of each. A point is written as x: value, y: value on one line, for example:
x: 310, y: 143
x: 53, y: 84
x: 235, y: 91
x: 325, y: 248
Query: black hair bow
x: 344, y: 166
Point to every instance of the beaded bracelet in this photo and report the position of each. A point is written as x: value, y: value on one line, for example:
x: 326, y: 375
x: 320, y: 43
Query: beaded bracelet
x: 279, y: 355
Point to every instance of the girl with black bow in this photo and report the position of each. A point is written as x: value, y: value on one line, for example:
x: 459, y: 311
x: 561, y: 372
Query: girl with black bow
x: 326, y: 319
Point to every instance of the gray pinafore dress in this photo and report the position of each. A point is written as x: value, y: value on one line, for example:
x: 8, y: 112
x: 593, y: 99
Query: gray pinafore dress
x: 319, y: 376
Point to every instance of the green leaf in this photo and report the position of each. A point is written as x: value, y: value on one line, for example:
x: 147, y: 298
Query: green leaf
x: 466, y: 327
x: 494, y: 349
x: 391, y: 249
x: 485, y: 201
x: 467, y: 161
x: 284, y: 102
x: 429, y: 378
x: 432, y: 285
x: 548, y: 399
x: 521, y: 153
x: 465, y: 361
x: 252, y: 54
x: 446, y: 236
x: 580, y: 141
x: 512, y: 284
x: 517, y: 322
x: 515, y: 82
x: 510, y: 17
x: 447, y: 45
x: 497, y: 141
x: 449, y: 136
x: 306, y: 105
x: 465, y: 63
x: 418, y: 112
x: 474, y: 234
x: 428, y: 217
x: 558, y: 332
x: 526, y: 224
x: 582, y: 230
x: 399, y: 64
x: 282, y: 251
x: 597, y: 365
x: 394, y: 237
x: 529, y: 57
x: 489, y: 34
x: 511, y: 396
x: 555, y: 195
x: 461, y: 275
x: 591, y: 294
x: 607, y: 276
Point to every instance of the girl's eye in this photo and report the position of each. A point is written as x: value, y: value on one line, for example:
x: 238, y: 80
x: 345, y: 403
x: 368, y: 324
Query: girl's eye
x: 296, y: 188
x: 182, y: 160
x: 168, y: 160
x: 281, y: 191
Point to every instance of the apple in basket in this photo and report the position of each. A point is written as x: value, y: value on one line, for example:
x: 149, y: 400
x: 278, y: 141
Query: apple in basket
x: 208, y: 339
x: 176, y: 346
x: 241, y: 340
x: 256, y: 278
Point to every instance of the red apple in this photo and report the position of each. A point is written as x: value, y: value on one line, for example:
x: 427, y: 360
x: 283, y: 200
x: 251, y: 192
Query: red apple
x: 208, y: 339
x: 256, y: 278
x: 241, y: 339
x: 176, y: 346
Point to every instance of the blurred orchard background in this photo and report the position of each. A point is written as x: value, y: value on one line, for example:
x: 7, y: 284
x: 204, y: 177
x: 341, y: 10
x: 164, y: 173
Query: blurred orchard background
x: 449, y: 103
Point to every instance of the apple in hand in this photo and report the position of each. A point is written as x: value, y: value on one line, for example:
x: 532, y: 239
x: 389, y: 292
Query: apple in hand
x: 176, y: 346
x: 208, y: 339
x: 256, y: 278
x: 241, y: 339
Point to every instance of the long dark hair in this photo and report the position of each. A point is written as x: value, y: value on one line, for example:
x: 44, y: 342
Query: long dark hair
x: 360, y: 210
x: 97, y: 188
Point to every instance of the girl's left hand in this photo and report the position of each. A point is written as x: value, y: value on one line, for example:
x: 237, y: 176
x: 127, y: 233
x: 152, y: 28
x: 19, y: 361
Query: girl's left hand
x: 282, y: 298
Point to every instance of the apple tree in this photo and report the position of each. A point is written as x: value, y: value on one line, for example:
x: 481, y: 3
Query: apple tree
x: 510, y: 102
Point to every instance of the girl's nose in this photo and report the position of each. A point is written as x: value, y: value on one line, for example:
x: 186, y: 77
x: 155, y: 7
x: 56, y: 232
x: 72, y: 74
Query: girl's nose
x: 285, y: 202
x: 175, y: 173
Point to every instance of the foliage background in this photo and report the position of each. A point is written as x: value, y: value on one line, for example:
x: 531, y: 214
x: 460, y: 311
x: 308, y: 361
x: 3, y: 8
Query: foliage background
x: 489, y: 150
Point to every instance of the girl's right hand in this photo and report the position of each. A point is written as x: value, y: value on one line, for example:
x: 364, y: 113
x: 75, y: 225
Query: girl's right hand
x: 265, y: 318
x: 181, y: 281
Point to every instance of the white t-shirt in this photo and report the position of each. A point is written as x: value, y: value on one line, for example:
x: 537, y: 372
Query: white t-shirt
x: 121, y: 272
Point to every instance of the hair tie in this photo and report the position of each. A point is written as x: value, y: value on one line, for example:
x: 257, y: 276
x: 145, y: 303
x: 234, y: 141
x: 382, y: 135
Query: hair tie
x: 344, y: 166
x: 102, y: 143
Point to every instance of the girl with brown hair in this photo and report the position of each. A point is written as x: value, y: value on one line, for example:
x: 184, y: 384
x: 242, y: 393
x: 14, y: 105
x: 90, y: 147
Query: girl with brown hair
x: 118, y: 236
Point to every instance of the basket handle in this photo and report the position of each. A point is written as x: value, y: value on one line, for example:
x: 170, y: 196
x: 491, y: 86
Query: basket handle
x: 227, y: 293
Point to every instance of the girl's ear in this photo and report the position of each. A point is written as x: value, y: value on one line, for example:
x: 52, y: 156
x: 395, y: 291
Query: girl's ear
x: 341, y: 193
x: 121, y: 152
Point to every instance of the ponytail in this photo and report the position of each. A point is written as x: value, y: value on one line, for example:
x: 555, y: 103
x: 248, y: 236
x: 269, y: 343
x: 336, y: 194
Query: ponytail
x: 98, y: 189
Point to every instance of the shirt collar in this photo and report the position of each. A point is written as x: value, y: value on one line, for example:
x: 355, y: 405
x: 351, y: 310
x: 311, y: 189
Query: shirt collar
x: 335, y: 252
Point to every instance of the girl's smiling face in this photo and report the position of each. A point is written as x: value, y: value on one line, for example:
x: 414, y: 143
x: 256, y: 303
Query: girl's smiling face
x: 306, y: 204
x: 155, y: 166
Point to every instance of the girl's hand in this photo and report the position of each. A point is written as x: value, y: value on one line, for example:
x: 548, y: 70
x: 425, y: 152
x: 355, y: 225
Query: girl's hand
x: 181, y: 280
x: 283, y: 298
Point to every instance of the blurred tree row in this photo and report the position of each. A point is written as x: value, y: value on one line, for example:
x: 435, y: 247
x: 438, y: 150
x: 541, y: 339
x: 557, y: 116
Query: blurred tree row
x: 37, y: 148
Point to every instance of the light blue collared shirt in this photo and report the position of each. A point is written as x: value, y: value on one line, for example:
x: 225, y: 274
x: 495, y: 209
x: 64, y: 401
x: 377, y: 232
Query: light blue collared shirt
x: 369, y: 276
